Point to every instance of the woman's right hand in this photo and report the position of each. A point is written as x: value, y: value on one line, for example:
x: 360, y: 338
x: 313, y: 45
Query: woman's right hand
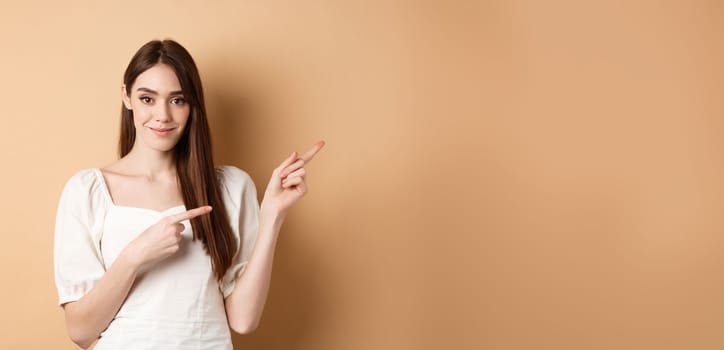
x: 160, y: 240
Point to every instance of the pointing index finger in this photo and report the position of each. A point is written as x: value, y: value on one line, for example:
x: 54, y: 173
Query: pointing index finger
x: 190, y: 214
x: 307, y: 157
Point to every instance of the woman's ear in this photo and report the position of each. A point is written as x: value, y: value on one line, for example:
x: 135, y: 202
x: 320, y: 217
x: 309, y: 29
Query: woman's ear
x: 124, y: 96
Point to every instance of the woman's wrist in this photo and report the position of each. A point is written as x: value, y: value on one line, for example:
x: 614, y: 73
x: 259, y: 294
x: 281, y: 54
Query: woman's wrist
x: 130, y: 258
x: 271, y: 217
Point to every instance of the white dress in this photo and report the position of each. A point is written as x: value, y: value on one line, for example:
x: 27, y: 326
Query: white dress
x: 175, y: 304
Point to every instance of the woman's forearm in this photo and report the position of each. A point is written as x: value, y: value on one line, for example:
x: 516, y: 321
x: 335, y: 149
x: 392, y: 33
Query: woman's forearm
x: 245, y: 304
x: 87, y: 317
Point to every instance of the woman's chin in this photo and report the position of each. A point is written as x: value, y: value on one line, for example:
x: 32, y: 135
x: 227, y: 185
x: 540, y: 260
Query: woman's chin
x: 161, y: 146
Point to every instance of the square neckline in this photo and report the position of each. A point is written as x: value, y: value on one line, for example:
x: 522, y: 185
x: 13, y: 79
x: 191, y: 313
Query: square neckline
x: 107, y: 193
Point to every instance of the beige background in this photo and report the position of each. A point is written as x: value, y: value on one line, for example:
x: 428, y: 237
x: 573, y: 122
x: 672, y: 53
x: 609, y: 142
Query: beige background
x: 497, y: 175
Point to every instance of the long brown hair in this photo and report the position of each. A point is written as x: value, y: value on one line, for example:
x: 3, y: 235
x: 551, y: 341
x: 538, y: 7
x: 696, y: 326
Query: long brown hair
x: 194, y: 163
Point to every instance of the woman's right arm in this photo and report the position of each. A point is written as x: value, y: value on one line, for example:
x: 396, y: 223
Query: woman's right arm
x: 87, y: 317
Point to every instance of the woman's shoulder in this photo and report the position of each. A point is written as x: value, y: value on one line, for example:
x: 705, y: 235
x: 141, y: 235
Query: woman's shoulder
x: 235, y: 184
x: 230, y: 174
x: 83, y: 179
x: 84, y: 189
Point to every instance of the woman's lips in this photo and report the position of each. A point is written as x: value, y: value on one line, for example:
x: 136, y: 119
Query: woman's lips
x: 161, y: 132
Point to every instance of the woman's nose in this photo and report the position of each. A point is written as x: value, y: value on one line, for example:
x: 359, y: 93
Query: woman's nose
x: 163, y: 112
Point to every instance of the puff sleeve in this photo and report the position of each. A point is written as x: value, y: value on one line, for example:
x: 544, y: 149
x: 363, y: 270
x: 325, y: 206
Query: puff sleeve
x: 77, y: 260
x: 241, y: 202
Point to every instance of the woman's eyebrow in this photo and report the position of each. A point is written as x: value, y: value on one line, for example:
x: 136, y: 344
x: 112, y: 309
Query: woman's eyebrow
x: 177, y: 92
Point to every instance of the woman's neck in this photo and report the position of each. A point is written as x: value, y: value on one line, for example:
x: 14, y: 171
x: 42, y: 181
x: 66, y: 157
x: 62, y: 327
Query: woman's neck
x: 151, y: 163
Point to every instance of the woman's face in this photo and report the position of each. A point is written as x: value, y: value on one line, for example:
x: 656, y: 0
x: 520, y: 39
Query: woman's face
x: 160, y: 110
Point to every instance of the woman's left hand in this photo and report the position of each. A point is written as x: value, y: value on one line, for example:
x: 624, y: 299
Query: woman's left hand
x: 287, y: 182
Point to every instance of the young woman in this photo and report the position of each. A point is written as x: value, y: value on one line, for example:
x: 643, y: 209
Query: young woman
x: 161, y: 249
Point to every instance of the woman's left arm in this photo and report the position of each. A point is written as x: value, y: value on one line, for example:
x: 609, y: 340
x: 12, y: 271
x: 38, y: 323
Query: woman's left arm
x: 245, y: 304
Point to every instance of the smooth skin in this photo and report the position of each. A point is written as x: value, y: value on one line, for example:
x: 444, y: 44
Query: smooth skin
x: 146, y: 178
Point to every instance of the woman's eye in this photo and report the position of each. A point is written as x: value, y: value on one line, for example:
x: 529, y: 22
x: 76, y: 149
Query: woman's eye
x: 145, y: 99
x: 178, y: 101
